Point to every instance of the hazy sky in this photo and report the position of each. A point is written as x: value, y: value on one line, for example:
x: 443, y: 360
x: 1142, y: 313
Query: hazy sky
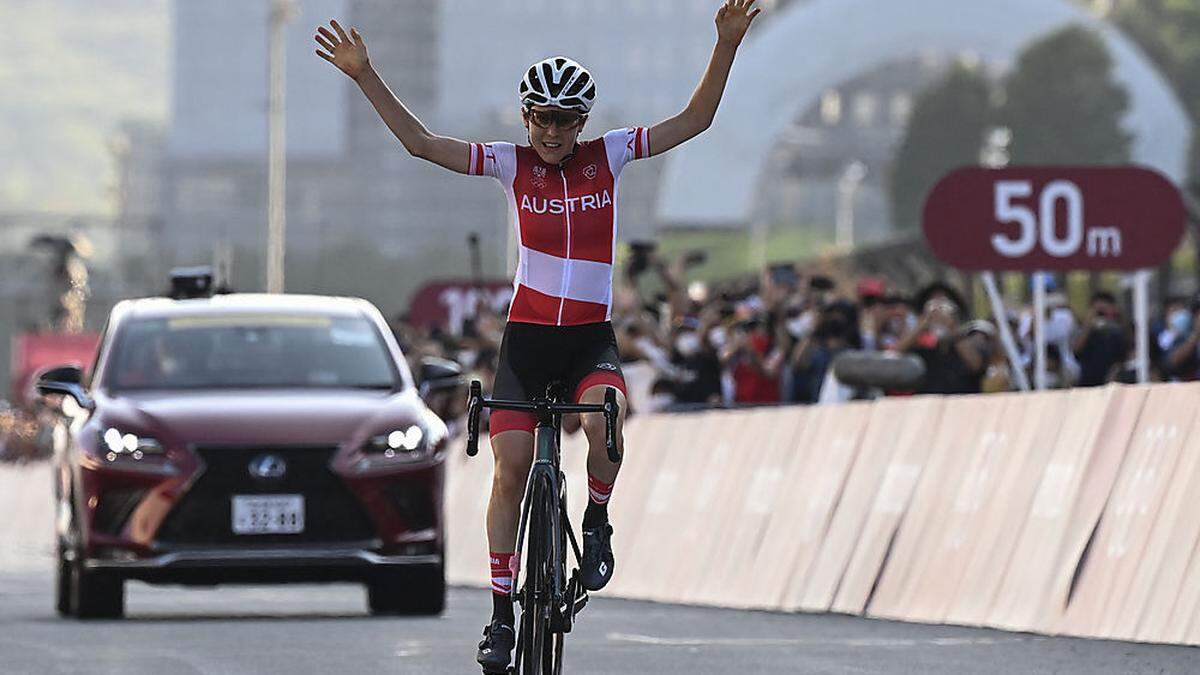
x: 72, y: 71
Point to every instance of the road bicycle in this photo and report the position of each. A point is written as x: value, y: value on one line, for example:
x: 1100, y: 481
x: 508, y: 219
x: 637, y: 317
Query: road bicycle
x: 550, y: 598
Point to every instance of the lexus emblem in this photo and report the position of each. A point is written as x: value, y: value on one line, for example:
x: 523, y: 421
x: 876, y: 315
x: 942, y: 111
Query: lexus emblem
x: 268, y: 467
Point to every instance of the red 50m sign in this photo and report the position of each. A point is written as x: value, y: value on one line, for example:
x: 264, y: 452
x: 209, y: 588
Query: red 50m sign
x: 1054, y: 218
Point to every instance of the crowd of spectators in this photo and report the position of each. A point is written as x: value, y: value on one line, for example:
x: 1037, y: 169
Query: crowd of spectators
x: 773, y: 339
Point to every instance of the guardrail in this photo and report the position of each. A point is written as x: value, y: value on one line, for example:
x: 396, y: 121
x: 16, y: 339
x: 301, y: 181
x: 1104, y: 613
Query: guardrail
x: 1067, y: 512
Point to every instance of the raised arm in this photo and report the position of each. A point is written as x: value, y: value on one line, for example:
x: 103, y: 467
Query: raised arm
x: 733, y: 19
x: 349, y: 54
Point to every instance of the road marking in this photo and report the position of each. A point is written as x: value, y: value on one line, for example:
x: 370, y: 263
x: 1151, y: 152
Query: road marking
x: 796, y: 642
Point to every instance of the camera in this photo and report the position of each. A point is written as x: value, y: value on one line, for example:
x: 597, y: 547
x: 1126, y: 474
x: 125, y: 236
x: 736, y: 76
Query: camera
x: 820, y: 283
x: 784, y: 274
x: 694, y: 258
x: 640, y: 254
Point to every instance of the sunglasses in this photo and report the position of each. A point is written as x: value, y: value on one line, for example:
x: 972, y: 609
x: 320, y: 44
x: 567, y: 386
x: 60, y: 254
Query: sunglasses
x: 562, y: 119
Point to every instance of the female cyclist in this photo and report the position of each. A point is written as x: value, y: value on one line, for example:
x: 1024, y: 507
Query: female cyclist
x: 562, y: 194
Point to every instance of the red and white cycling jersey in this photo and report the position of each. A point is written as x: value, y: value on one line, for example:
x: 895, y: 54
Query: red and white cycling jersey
x: 566, y: 223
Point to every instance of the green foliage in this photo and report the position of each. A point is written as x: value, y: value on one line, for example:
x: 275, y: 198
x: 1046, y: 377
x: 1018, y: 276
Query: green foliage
x: 1062, y: 103
x: 945, y: 132
x: 1169, y: 32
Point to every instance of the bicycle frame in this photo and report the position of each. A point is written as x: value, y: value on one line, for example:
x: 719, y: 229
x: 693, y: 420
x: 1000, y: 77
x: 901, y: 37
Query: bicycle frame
x: 558, y: 601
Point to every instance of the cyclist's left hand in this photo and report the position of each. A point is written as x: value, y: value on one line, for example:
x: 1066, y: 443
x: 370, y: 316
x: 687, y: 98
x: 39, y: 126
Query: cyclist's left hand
x: 733, y: 19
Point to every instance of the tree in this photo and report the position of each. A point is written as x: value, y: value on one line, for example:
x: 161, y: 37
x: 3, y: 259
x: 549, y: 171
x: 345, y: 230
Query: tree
x: 1063, y: 105
x: 1169, y: 32
x: 945, y: 132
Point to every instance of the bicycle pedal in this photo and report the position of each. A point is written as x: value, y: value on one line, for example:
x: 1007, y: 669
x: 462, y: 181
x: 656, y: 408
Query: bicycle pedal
x: 581, y: 601
x: 579, y: 595
x: 560, y: 621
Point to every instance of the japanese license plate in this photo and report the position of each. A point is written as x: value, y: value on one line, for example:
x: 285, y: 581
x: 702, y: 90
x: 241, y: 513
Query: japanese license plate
x: 268, y: 514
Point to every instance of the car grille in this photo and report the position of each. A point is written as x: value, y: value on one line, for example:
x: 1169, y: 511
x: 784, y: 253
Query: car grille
x: 204, y: 514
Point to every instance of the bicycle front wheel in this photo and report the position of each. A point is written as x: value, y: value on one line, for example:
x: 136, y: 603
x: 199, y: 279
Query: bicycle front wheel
x: 537, y: 640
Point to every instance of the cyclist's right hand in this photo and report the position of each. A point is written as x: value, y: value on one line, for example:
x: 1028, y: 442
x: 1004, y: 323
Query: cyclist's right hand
x: 347, y: 52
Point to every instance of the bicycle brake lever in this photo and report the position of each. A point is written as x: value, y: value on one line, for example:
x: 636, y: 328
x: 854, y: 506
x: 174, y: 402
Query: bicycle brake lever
x: 611, y: 410
x: 474, y: 401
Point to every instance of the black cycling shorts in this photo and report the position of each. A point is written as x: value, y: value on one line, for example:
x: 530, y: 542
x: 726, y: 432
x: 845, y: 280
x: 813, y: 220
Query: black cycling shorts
x: 532, y: 356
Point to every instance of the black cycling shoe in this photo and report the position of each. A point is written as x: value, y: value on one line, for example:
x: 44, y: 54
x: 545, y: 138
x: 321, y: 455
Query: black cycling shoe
x: 597, y: 567
x: 495, y: 650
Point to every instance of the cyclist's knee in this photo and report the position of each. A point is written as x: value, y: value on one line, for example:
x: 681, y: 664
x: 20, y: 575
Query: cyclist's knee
x: 593, y: 424
x: 513, y: 453
x: 593, y: 428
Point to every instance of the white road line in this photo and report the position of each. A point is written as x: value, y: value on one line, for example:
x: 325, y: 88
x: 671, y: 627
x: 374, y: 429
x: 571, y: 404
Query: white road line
x: 795, y: 642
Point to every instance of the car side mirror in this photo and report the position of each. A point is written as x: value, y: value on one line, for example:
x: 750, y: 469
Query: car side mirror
x: 440, y: 381
x: 65, y: 380
x: 439, y: 375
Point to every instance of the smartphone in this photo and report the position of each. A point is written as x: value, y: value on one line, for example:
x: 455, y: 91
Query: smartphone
x: 784, y: 274
x: 820, y: 283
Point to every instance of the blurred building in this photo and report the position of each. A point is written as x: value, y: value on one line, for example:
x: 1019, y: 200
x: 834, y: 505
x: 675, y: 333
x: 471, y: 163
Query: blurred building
x: 859, y: 122
x: 836, y: 55
x: 362, y: 216
x: 365, y: 218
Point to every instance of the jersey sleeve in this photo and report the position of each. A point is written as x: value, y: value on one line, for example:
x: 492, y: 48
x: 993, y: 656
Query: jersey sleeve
x: 498, y: 160
x: 625, y: 145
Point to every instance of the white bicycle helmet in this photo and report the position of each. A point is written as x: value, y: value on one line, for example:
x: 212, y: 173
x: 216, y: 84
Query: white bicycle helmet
x: 559, y: 82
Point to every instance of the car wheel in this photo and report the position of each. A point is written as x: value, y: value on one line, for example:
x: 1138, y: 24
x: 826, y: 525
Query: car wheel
x: 62, y: 587
x: 415, y: 591
x: 94, y: 594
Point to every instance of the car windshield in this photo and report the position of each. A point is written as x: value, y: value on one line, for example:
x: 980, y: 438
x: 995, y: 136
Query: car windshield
x: 251, y: 351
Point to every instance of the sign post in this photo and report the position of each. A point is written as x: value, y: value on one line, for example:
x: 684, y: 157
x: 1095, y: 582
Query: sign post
x: 1039, y: 331
x: 1041, y: 219
x: 1006, y: 337
x: 1141, y: 318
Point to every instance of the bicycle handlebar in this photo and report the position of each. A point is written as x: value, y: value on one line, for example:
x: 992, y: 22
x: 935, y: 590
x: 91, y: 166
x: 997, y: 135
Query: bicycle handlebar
x: 610, y: 408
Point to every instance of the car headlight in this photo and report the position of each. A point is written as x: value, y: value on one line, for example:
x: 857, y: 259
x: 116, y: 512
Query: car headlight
x: 407, y: 443
x: 117, y: 444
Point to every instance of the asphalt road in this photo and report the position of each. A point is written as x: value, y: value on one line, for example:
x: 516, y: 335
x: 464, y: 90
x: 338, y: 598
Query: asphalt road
x: 264, y: 630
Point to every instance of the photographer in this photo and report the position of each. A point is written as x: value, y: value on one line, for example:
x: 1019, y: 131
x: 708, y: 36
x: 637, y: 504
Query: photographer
x: 1101, y: 345
x: 954, y: 361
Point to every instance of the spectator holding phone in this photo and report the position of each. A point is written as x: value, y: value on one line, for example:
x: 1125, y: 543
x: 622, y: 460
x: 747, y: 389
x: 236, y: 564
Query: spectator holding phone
x: 954, y: 363
x: 1101, y: 345
x: 753, y: 362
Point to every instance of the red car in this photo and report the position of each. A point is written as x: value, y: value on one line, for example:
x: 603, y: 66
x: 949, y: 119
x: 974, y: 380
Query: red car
x: 249, y: 438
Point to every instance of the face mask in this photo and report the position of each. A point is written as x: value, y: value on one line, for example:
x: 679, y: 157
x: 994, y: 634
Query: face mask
x: 717, y: 337
x: 687, y: 344
x: 800, y: 326
x: 1181, y: 321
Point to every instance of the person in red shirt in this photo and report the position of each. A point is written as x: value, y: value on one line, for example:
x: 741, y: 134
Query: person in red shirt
x: 753, y: 364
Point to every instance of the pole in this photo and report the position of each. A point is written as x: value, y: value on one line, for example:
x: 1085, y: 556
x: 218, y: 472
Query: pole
x: 848, y: 186
x: 280, y: 13
x: 476, y: 259
x: 1006, y: 337
x: 1141, y: 301
x: 1039, y: 330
